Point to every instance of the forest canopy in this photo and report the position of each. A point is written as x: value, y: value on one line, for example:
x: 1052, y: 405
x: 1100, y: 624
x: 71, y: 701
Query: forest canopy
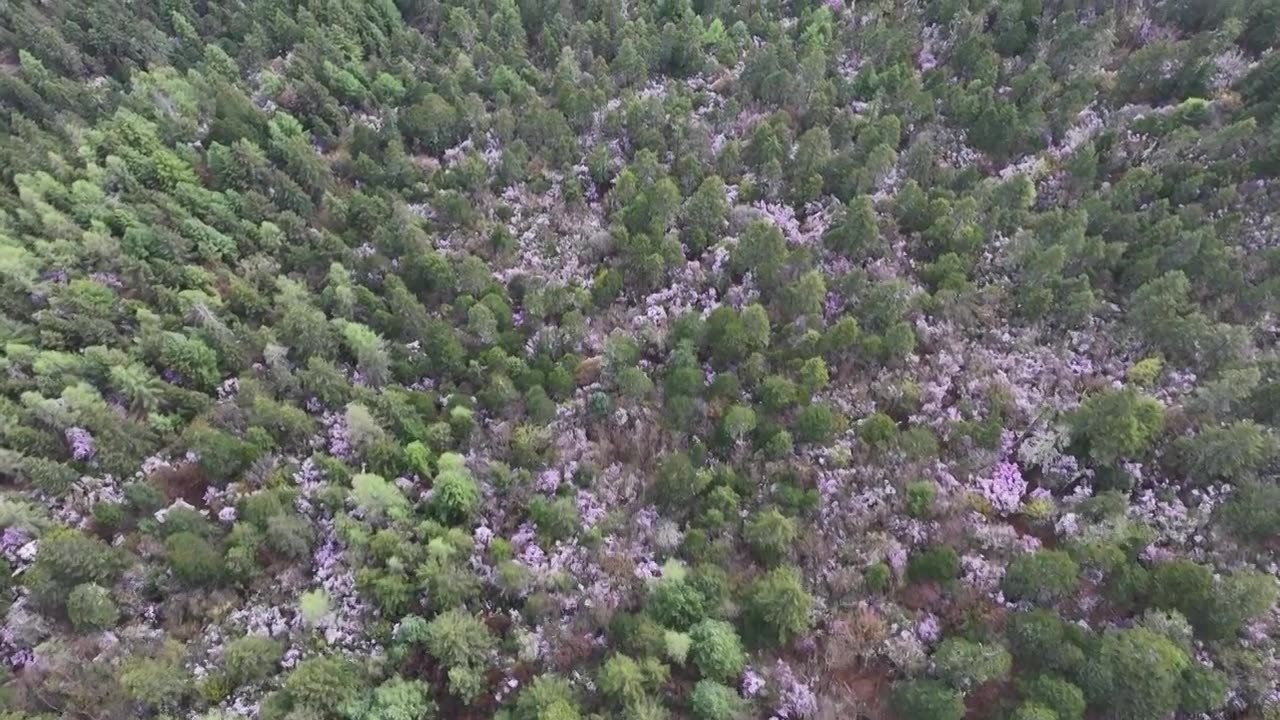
x: 417, y: 359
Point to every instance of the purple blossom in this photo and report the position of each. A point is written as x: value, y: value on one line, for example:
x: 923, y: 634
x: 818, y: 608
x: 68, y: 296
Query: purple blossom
x: 108, y: 279
x: 1067, y: 525
x: 337, y: 436
x: 1154, y: 554
x: 1169, y: 516
x: 11, y: 542
x: 154, y: 464
x: 309, y: 477
x: 929, y: 630
x: 81, y: 442
x: 229, y: 388
x: 752, y: 682
x: 981, y: 573
x: 601, y: 594
x: 590, y: 509
x: 12, y: 652
x: 897, y: 558
x: 1004, y: 488
x: 547, y: 481
x: 647, y: 569
x: 796, y: 698
x: 345, y: 624
x: 905, y: 650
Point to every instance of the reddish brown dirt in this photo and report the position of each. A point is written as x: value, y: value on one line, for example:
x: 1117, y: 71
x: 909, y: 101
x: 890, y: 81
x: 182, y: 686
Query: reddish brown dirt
x: 865, y: 687
x: 185, y: 482
x: 986, y: 700
x: 923, y: 596
x: 1042, y: 532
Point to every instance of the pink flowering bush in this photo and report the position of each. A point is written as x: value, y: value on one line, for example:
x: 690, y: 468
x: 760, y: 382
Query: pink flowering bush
x: 1003, y: 488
